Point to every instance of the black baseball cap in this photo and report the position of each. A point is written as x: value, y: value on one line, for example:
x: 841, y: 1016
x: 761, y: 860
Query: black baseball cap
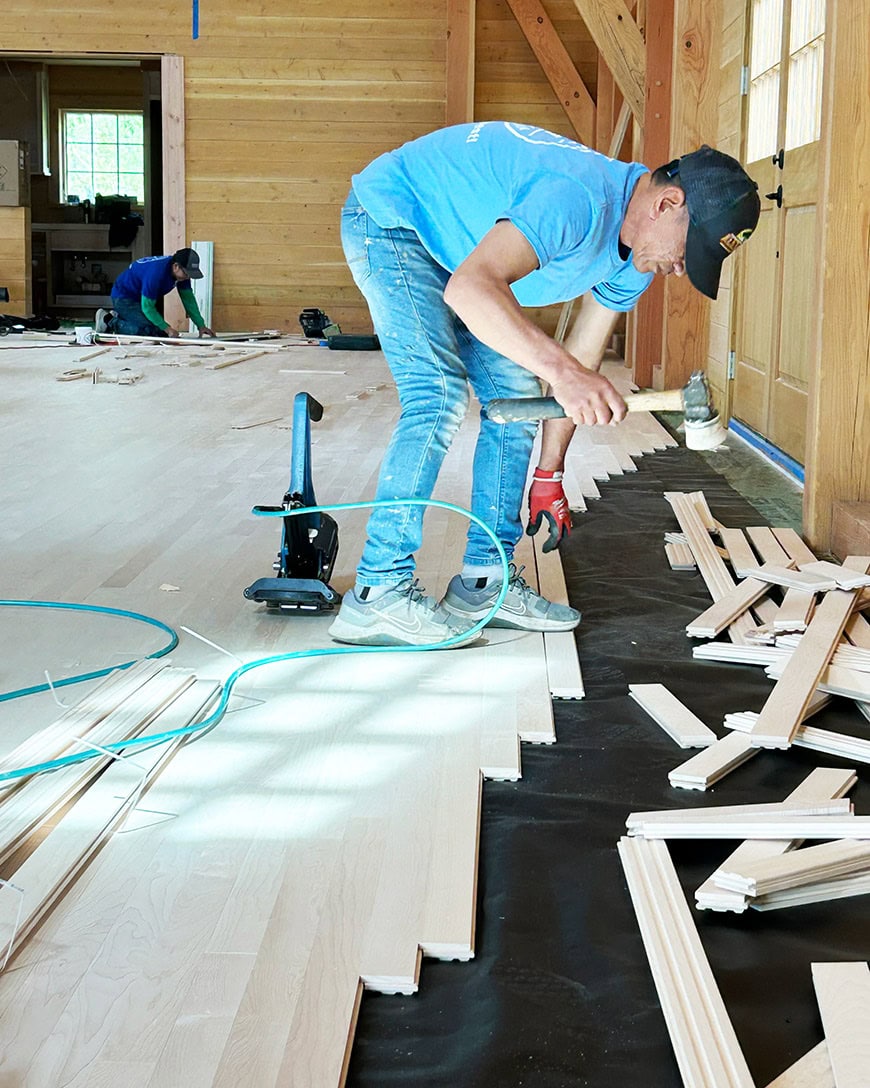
x: 188, y: 262
x: 723, y: 205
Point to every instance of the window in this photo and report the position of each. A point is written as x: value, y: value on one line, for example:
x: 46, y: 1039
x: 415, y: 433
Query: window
x: 102, y: 153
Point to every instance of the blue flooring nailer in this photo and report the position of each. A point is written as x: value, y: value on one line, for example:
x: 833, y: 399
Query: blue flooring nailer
x: 309, y: 542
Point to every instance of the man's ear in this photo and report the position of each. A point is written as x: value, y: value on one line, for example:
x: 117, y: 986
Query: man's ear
x: 667, y: 197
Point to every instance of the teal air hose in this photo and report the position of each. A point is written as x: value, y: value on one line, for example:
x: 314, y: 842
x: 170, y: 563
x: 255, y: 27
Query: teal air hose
x: 218, y: 713
x: 168, y: 648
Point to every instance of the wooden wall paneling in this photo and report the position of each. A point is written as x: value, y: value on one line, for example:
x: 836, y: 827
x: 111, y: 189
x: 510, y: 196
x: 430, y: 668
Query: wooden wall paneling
x: 619, y: 41
x: 558, y: 66
x: 838, y: 456
x: 843, y: 994
x: 694, y: 105
x: 459, y: 101
x: 15, y: 260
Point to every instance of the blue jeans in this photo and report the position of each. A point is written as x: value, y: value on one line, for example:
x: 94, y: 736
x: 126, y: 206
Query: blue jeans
x: 433, y: 358
x: 130, y: 319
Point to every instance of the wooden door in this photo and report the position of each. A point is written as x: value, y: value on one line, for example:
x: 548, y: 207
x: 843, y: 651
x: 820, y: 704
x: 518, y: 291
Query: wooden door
x: 776, y: 310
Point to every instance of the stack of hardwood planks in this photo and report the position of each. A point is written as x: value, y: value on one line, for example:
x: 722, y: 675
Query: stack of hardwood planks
x: 51, y: 824
x: 802, y: 620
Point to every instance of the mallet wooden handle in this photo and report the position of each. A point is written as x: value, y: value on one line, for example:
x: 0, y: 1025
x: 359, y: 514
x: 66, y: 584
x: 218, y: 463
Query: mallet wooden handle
x: 507, y: 410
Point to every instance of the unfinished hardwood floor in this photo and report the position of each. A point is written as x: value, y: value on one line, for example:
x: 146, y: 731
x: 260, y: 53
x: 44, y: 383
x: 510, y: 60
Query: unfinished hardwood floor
x: 326, y: 831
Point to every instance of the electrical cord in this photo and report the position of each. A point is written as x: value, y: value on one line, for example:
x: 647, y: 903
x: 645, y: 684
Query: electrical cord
x: 218, y: 713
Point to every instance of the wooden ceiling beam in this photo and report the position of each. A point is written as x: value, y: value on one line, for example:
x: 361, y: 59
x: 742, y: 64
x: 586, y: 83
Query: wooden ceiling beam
x: 619, y: 40
x: 558, y: 66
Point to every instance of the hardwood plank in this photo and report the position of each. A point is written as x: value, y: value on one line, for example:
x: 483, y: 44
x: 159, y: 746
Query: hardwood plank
x: 813, y: 1070
x: 782, y: 712
x: 821, y: 783
x: 677, y: 720
x: 843, y: 994
x: 712, y: 763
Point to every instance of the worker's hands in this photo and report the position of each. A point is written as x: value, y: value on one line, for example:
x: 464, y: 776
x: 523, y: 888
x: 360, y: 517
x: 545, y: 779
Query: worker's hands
x: 170, y: 331
x: 588, y: 397
x: 206, y: 331
x: 547, y: 500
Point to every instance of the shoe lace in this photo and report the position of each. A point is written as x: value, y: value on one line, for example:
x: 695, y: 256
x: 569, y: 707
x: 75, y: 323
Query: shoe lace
x: 516, y: 580
x: 413, y: 591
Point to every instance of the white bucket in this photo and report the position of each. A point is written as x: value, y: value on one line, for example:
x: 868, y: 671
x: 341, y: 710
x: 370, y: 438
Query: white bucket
x: 84, y: 334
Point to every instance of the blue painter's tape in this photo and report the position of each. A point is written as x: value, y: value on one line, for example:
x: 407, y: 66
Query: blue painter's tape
x: 774, y: 453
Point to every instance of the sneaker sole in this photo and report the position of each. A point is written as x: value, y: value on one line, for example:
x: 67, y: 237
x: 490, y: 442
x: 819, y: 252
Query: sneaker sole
x: 354, y: 636
x: 520, y: 623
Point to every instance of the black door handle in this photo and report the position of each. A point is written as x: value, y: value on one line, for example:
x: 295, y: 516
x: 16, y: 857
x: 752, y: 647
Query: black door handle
x: 777, y: 196
x: 779, y: 158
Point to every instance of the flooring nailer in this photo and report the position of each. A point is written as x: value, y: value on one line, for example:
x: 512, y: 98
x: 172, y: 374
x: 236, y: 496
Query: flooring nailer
x: 309, y: 542
x: 704, y: 430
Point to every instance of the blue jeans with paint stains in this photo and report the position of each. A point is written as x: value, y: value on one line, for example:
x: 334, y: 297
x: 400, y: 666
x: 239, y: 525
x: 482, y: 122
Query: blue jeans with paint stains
x: 433, y: 359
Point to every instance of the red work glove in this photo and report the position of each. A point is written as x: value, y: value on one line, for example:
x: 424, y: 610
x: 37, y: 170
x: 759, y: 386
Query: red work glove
x: 547, y: 500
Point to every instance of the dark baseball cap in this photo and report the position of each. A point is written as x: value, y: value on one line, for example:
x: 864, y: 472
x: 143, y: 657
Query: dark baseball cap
x: 723, y: 205
x: 188, y: 261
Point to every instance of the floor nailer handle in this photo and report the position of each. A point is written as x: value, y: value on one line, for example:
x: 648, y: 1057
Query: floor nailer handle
x: 508, y: 410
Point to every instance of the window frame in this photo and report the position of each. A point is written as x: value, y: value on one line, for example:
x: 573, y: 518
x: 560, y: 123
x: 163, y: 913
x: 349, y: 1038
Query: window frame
x: 64, y: 187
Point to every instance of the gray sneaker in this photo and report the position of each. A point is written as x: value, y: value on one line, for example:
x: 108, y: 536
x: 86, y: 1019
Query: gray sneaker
x: 521, y: 610
x: 102, y: 320
x: 402, y: 616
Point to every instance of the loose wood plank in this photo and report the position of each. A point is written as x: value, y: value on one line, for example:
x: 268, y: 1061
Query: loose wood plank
x: 677, y: 720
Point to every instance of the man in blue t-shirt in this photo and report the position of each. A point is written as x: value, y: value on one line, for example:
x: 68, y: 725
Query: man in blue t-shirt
x: 448, y: 237
x: 136, y: 291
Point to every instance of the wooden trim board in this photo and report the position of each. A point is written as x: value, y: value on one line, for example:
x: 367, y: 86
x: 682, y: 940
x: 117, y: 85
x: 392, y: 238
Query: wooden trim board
x: 706, y: 1048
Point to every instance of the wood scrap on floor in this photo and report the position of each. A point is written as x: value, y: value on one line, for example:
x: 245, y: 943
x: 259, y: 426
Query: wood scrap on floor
x: 677, y: 720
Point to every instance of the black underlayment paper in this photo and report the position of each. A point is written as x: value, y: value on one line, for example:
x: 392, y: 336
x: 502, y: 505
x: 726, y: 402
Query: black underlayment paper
x: 559, y: 994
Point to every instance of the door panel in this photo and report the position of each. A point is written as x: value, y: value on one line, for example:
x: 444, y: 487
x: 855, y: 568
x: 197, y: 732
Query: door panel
x: 776, y: 313
x: 755, y: 344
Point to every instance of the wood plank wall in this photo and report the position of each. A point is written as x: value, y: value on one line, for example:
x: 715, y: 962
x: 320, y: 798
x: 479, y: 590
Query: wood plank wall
x: 285, y: 102
x: 15, y: 259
